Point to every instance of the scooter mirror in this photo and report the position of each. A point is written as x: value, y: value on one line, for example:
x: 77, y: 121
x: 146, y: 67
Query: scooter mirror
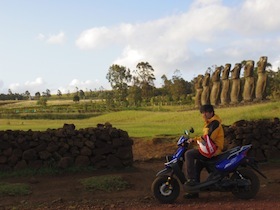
x: 191, y: 130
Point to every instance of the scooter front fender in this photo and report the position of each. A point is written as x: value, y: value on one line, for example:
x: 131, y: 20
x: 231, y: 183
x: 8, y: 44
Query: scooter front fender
x: 173, y: 169
x: 165, y: 171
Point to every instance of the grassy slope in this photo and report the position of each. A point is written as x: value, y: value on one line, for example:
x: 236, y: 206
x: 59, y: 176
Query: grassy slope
x: 149, y: 123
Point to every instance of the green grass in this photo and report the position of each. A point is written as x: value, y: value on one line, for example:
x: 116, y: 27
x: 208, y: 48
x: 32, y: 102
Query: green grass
x: 148, y: 124
x: 29, y: 172
x: 106, y: 183
x: 13, y: 189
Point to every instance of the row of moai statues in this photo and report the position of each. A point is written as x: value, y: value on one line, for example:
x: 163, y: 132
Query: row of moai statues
x: 220, y: 90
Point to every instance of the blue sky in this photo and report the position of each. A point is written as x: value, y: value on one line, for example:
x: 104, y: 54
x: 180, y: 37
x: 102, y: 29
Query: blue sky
x: 66, y: 44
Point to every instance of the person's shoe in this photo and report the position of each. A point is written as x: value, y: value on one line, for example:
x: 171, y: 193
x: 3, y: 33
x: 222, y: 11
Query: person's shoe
x: 191, y: 195
x: 190, y: 182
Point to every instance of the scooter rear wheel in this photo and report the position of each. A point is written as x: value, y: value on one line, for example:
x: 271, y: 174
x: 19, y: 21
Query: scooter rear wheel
x: 163, y: 192
x: 250, y: 191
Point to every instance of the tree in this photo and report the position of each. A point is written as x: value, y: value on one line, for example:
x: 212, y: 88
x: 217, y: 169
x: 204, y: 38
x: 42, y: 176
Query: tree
x: 109, y: 99
x: 77, y: 90
x: 145, y: 76
x: 166, y: 89
x: 59, y: 94
x: 47, y: 93
x: 145, y: 72
x: 177, y: 88
x: 82, y: 94
x: 90, y: 93
x: 119, y: 77
x: 42, y: 101
x: 76, y: 98
x: 134, y: 96
x: 27, y: 94
x: 37, y: 95
x: 166, y: 82
x: 273, y: 86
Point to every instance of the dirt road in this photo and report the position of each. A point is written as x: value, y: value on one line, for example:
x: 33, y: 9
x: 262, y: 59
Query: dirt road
x: 66, y: 192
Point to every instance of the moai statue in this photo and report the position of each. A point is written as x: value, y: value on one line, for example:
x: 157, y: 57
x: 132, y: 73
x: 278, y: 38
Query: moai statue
x: 248, y: 92
x: 225, y: 85
x: 262, y: 78
x: 235, y: 87
x: 216, y: 86
x: 205, y: 97
x: 198, y: 88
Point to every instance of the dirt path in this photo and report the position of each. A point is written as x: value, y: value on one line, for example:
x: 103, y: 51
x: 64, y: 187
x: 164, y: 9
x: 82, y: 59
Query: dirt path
x: 65, y: 191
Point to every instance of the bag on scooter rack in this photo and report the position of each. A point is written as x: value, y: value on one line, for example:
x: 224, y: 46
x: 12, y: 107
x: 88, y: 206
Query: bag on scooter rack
x: 206, y: 146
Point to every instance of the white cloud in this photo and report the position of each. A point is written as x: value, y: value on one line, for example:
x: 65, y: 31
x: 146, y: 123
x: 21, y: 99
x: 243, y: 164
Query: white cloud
x: 76, y: 82
x: 165, y: 43
x: 130, y: 57
x: 258, y: 16
x: 37, y: 82
x: 209, y: 50
x: 91, y: 38
x: 56, y: 39
x: 176, y: 41
x: 52, y: 38
x: 276, y: 63
x: 81, y: 85
x: 41, y: 37
x: 37, y: 85
x: 15, y: 88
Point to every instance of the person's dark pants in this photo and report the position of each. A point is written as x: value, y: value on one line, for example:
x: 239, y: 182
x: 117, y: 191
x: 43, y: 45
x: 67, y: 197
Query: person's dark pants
x: 193, y: 164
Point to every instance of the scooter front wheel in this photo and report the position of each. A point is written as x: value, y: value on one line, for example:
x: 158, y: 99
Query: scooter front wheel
x: 165, y: 190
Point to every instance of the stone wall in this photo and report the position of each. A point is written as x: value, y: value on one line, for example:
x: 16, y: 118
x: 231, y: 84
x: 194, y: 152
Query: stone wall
x: 264, y: 135
x: 107, y: 147
x: 101, y: 147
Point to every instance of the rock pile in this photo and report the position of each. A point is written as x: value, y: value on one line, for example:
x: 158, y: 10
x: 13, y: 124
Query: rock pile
x: 101, y: 147
x: 264, y: 135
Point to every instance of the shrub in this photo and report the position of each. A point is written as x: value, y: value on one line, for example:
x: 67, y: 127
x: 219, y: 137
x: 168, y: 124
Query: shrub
x: 14, y: 189
x: 105, y: 183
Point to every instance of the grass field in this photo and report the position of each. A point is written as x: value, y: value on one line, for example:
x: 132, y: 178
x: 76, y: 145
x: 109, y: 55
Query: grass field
x: 147, y: 124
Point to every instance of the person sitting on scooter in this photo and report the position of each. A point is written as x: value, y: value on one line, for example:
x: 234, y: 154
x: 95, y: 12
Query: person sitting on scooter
x: 213, y: 129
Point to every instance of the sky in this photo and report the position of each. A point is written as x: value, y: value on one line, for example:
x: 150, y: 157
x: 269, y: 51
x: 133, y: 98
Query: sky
x: 69, y: 44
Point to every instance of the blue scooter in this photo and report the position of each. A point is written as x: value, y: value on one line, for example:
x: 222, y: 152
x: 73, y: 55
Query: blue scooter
x: 231, y: 171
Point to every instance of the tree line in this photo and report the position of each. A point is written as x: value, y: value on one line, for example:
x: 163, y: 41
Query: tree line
x: 137, y: 88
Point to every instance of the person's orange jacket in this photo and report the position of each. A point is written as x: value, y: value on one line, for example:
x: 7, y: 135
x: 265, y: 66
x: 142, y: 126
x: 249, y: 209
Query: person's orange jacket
x: 213, y: 127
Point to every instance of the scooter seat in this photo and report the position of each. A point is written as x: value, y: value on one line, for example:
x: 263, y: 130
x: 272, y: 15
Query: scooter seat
x: 223, y: 155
